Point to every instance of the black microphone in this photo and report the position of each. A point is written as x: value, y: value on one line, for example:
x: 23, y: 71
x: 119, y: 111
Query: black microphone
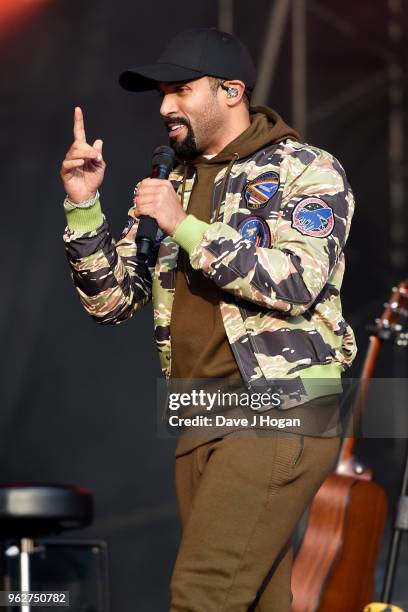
x: 162, y: 164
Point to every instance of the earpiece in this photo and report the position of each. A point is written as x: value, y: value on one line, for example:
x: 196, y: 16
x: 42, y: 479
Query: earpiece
x: 232, y: 92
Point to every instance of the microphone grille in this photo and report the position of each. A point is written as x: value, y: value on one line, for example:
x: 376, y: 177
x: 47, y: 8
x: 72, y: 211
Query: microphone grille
x: 163, y: 155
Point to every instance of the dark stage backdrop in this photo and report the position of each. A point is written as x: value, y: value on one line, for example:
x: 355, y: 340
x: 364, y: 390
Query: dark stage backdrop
x: 78, y: 400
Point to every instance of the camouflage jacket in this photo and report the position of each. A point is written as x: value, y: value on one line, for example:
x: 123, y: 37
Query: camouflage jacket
x: 279, y: 222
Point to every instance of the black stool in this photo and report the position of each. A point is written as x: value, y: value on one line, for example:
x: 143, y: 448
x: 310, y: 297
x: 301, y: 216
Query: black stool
x: 28, y: 511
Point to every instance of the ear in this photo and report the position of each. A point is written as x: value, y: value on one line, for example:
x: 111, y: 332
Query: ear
x: 235, y: 99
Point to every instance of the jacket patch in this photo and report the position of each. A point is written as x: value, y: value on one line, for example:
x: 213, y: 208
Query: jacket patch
x: 260, y: 190
x: 313, y: 217
x: 256, y: 230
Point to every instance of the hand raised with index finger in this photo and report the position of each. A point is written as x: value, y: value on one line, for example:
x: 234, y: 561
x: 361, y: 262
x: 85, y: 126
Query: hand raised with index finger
x: 83, y: 168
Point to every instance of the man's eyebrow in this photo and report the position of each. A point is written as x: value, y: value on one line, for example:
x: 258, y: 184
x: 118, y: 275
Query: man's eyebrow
x: 175, y: 84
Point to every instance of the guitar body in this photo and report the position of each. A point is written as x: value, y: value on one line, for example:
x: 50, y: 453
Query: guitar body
x: 339, y: 551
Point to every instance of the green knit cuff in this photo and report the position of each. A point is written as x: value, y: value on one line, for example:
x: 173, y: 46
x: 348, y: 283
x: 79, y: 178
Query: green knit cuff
x: 84, y: 220
x: 321, y: 380
x: 190, y: 232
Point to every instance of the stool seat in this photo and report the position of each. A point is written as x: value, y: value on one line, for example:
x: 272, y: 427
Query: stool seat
x: 28, y: 510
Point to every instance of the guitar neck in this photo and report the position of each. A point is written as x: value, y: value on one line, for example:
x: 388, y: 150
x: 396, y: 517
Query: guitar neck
x: 345, y: 460
x: 392, y: 325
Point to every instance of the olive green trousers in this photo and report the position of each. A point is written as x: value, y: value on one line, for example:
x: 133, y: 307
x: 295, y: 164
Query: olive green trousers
x: 240, y: 498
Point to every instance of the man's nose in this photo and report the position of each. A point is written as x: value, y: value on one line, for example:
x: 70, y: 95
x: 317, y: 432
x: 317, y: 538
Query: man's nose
x: 168, y: 105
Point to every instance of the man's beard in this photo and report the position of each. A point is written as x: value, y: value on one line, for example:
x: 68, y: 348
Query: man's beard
x: 186, y: 150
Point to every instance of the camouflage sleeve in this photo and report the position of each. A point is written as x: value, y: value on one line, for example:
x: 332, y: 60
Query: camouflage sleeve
x: 111, y: 282
x: 307, y: 237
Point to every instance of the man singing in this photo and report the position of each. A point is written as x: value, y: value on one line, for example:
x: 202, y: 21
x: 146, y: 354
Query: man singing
x: 245, y: 280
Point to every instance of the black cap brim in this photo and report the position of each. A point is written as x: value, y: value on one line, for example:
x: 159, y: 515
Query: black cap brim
x: 144, y: 78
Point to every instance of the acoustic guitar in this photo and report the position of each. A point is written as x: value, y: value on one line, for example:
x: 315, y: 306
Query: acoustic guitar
x: 334, y: 568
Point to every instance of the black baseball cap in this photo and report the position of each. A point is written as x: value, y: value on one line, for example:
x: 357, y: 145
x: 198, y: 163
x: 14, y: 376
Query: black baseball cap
x: 191, y: 55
